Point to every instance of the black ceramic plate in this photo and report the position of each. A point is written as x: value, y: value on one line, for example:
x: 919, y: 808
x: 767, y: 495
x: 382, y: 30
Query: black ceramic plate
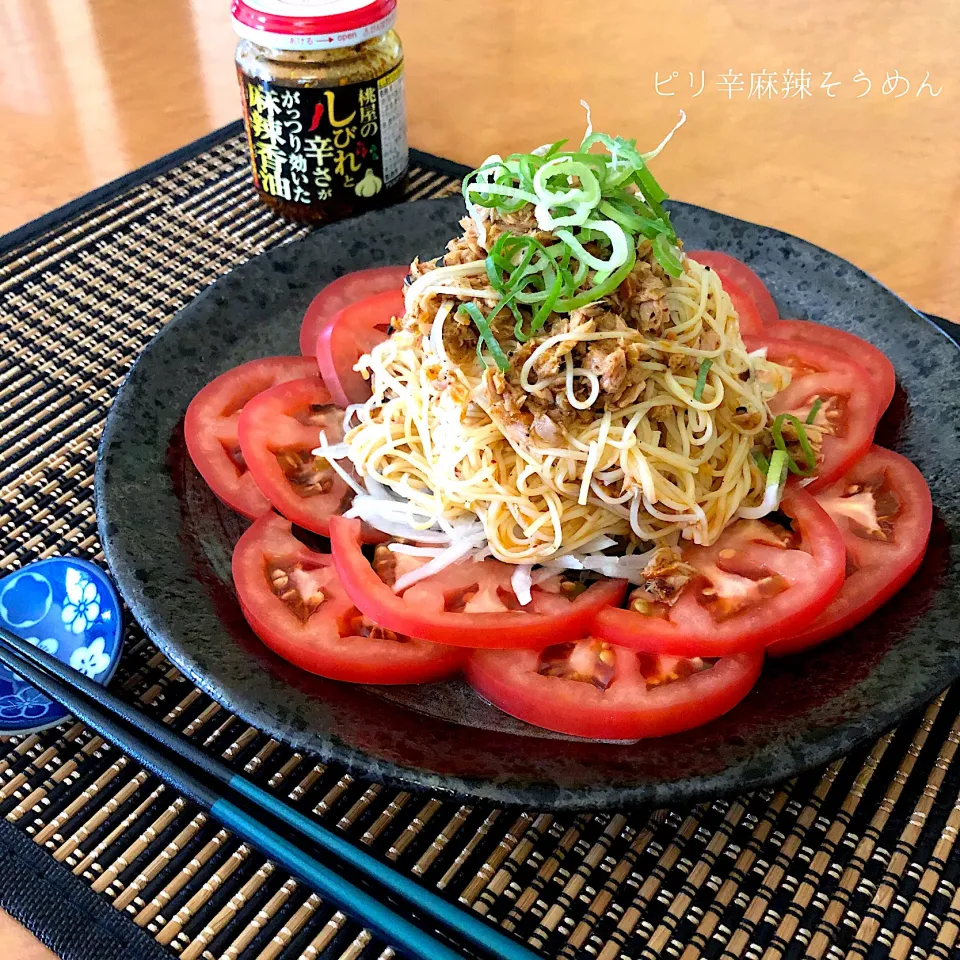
x: 168, y: 542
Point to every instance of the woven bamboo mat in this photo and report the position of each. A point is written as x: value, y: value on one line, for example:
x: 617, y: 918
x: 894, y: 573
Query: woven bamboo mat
x: 857, y: 860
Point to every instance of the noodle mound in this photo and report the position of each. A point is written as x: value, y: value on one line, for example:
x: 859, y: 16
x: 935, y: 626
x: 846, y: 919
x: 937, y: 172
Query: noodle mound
x: 633, y: 416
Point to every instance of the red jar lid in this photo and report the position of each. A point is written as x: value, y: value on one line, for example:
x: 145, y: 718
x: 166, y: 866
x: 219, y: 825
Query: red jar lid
x: 312, y: 24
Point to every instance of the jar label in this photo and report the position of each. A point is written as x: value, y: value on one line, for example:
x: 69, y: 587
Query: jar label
x: 312, y: 145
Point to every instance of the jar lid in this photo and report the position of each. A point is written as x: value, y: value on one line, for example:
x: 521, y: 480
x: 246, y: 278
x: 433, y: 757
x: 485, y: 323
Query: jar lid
x: 312, y: 24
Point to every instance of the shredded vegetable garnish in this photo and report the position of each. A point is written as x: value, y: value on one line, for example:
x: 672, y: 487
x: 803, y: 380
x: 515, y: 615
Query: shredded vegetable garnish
x: 814, y: 410
x: 773, y: 492
x: 564, y: 373
x: 486, y: 336
x: 597, y: 205
x: 776, y: 431
x: 705, y: 366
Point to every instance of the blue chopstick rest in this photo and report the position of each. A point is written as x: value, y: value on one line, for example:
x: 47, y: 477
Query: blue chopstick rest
x: 69, y: 608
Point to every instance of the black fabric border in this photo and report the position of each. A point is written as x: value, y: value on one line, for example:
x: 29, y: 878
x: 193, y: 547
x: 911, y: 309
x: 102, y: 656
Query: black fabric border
x: 61, y: 910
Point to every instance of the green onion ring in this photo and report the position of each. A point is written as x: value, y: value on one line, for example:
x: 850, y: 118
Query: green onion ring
x: 567, y: 304
x: 705, y: 366
x: 486, y: 336
x: 776, y: 431
x: 666, y: 257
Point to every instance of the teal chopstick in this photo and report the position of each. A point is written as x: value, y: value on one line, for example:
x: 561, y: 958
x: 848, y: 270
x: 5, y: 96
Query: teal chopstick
x: 395, y: 929
x: 98, y: 707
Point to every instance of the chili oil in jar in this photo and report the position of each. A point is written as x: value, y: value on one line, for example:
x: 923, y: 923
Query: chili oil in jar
x: 323, y: 104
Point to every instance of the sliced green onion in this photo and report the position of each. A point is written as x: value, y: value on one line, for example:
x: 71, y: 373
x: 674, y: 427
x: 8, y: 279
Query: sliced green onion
x: 597, y: 160
x: 500, y: 260
x: 623, y: 154
x: 494, y: 273
x: 777, y: 472
x: 583, y: 269
x: 567, y: 304
x: 486, y: 336
x: 666, y: 256
x: 582, y: 198
x: 554, y: 148
x: 620, y: 244
x: 814, y: 410
x: 519, y: 272
x: 525, y: 166
x: 653, y: 193
x: 761, y: 462
x: 539, y: 292
x: 650, y: 227
x: 778, y: 467
x: 705, y: 366
x: 546, y: 308
x: 508, y: 304
x: 488, y: 192
x: 606, y: 200
x: 776, y: 431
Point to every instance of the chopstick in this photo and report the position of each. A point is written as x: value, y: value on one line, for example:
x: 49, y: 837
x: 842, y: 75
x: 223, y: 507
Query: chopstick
x: 132, y: 730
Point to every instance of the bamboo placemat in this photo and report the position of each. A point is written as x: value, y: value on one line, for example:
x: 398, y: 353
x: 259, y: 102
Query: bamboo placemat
x: 857, y: 860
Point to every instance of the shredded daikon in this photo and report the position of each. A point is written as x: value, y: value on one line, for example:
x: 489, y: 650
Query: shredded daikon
x: 521, y: 581
x: 414, y: 551
x: 436, y: 333
x: 454, y: 553
x: 653, y: 153
x: 332, y: 453
x: 589, y: 130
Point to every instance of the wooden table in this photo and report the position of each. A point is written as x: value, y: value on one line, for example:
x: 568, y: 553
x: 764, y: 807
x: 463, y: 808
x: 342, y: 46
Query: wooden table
x: 95, y: 88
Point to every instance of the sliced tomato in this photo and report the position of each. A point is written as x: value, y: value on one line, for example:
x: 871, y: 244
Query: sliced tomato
x: 747, y: 312
x: 279, y: 430
x: 341, y: 293
x: 593, y: 689
x: 293, y: 601
x: 874, y: 361
x: 211, y: 422
x: 757, y: 584
x: 848, y: 401
x: 469, y: 604
x: 739, y: 276
x: 884, y: 511
x: 346, y: 336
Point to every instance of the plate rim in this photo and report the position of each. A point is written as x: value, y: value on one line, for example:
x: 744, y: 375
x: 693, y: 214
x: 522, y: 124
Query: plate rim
x: 817, y: 750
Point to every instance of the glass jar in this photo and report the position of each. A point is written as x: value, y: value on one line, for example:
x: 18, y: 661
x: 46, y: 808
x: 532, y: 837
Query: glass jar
x: 323, y: 104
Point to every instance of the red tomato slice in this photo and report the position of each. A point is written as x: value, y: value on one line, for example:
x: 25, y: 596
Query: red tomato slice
x: 346, y: 336
x: 747, y: 312
x: 592, y: 689
x: 741, y: 276
x: 469, y: 604
x: 883, y: 509
x: 757, y: 584
x: 278, y: 431
x: 210, y: 427
x: 293, y: 600
x: 341, y: 293
x: 874, y: 361
x: 849, y: 402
